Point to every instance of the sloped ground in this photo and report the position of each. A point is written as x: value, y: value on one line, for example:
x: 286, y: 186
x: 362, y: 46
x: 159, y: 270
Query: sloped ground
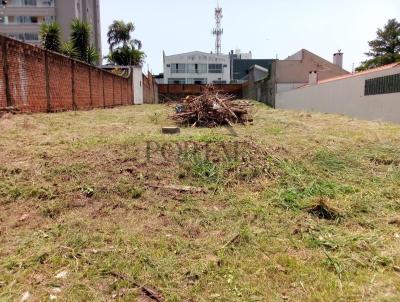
x: 99, y: 206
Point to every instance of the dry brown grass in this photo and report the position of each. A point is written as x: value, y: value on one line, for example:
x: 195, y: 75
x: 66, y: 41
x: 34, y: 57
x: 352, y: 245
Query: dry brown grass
x: 79, y: 195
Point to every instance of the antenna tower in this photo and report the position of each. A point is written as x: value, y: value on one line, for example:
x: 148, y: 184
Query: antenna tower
x: 218, y: 30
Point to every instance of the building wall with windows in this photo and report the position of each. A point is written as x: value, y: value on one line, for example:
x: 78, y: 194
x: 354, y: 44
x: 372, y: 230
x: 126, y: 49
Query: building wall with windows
x: 288, y: 74
x: 85, y: 10
x: 21, y: 19
x: 371, y: 95
x: 196, y: 68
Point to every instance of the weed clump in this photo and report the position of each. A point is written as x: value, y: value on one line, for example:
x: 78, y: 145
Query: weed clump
x: 329, y: 161
x: 202, y: 168
x: 127, y: 190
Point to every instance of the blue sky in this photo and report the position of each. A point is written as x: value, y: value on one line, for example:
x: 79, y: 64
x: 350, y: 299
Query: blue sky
x: 267, y: 28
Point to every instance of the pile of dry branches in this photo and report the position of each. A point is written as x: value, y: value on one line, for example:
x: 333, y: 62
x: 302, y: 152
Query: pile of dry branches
x: 212, y: 109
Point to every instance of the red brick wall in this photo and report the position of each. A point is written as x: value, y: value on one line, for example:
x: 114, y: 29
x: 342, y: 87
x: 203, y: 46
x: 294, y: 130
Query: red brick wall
x: 117, y: 92
x: 129, y: 91
x: 97, y: 88
x: 150, y: 89
x: 26, y: 77
x: 66, y: 84
x: 3, y: 100
x: 82, y: 87
x: 108, y: 90
x: 192, y: 89
x: 60, y: 71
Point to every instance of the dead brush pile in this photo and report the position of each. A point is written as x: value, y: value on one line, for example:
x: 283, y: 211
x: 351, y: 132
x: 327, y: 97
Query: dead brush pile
x: 212, y: 109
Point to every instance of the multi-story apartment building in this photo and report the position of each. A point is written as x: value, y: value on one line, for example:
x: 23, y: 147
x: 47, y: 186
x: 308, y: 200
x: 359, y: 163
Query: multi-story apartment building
x: 21, y: 19
x: 196, y: 68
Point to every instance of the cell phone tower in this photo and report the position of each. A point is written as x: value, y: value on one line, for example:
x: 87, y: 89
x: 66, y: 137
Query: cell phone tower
x: 218, y: 30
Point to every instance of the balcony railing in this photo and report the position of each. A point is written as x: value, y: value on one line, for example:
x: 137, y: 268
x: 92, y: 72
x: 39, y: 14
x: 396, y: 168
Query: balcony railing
x: 23, y: 3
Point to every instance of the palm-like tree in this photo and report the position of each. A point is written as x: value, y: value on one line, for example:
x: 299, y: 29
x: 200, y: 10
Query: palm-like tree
x: 126, y: 56
x: 68, y: 50
x: 120, y: 32
x: 124, y: 50
x: 79, y: 46
x: 80, y: 38
x: 50, y: 36
x: 92, y: 55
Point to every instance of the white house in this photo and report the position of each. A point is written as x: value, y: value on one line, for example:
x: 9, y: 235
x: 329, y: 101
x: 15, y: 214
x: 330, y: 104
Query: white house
x: 197, y: 68
x: 371, y: 95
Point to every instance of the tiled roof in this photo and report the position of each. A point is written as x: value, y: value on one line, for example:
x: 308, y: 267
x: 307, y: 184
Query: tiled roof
x: 360, y: 73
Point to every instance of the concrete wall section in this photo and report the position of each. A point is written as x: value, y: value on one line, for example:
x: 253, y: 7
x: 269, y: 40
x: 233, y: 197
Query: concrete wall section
x: 288, y: 86
x: 345, y: 96
x: 261, y: 90
x: 65, y: 12
x: 137, y: 78
x: 150, y: 89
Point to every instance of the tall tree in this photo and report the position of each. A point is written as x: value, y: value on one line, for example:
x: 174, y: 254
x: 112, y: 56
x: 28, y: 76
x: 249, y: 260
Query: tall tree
x: 124, y: 50
x: 126, y: 56
x: 68, y: 49
x: 50, y: 36
x: 80, y: 38
x: 385, y: 49
x: 120, y: 32
x: 80, y: 46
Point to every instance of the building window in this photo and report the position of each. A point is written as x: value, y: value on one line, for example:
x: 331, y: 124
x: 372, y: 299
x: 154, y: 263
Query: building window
x: 197, y: 68
x: 30, y: 3
x: 31, y: 37
x: 197, y: 81
x: 215, y: 68
x: 178, y: 68
x: 28, y: 37
x: 176, y: 81
x: 26, y: 20
x: 49, y: 19
x: 383, y: 85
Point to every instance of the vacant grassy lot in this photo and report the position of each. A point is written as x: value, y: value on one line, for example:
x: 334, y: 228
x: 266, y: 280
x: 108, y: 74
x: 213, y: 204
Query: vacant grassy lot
x: 99, y: 206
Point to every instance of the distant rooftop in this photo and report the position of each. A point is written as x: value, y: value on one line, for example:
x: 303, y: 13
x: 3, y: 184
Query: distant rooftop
x: 360, y: 73
x: 241, y: 67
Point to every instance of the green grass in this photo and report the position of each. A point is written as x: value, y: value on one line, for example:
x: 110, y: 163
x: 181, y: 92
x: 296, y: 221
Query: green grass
x: 89, y: 194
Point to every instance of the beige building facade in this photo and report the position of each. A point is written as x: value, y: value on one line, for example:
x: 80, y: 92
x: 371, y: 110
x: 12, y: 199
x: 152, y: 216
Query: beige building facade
x: 21, y: 19
x: 292, y: 73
